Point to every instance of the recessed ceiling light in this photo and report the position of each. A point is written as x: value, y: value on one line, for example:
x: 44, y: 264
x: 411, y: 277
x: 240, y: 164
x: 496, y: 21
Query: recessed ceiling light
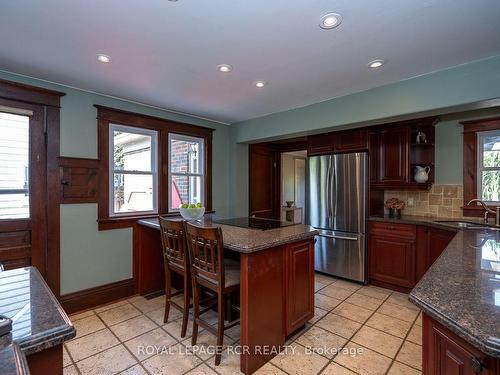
x: 376, y: 63
x: 330, y: 21
x: 103, y: 58
x: 260, y: 84
x: 224, y: 68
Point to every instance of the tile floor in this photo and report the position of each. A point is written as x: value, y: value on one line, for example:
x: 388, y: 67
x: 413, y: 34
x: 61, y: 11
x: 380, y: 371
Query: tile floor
x: 129, y: 337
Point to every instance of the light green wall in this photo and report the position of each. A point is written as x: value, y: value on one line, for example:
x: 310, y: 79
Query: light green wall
x: 88, y: 257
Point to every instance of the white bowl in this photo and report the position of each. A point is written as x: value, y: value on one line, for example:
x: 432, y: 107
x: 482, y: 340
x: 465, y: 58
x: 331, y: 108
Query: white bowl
x: 192, y: 213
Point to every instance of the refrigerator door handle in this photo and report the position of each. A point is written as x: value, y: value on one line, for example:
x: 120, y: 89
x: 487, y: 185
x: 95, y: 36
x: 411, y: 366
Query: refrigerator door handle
x: 340, y: 237
x: 328, y: 191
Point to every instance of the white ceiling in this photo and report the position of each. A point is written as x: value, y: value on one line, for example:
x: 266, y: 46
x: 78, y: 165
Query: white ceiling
x: 164, y: 53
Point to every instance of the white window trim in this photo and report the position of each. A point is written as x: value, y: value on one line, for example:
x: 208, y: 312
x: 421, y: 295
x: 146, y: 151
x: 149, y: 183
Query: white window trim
x: 112, y: 171
x: 481, y: 167
x: 187, y: 138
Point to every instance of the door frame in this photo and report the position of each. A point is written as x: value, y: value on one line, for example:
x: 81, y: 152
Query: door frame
x: 48, y: 102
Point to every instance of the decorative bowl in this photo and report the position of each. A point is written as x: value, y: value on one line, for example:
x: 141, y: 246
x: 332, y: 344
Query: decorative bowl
x: 192, y: 213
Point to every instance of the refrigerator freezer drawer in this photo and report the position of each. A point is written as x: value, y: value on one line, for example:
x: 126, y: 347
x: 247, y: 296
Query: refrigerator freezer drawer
x: 341, y: 254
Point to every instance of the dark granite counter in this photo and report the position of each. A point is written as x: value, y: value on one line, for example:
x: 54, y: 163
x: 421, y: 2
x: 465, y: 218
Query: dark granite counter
x: 461, y: 290
x: 39, y: 322
x: 12, y: 359
x: 248, y: 240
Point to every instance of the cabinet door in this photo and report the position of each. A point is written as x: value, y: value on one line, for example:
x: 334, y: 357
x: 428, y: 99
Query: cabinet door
x: 321, y: 144
x: 393, y: 163
x: 300, y: 285
x: 373, y: 152
x: 350, y: 141
x: 392, y: 260
x: 438, y: 240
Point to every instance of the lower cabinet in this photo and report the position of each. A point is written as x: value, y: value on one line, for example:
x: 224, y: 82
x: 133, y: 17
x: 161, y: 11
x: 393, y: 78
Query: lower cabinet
x: 444, y: 353
x: 300, y: 284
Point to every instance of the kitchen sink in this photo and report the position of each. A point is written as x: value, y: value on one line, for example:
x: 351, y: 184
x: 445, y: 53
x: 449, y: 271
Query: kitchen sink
x: 464, y: 224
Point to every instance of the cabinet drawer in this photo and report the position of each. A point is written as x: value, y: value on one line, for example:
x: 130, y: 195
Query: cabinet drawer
x: 407, y: 231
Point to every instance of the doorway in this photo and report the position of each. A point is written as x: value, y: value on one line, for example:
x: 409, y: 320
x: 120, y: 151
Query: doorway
x: 293, y: 184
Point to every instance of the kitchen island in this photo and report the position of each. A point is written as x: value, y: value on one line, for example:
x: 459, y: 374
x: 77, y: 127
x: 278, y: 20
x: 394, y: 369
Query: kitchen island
x: 276, y: 281
x: 39, y: 328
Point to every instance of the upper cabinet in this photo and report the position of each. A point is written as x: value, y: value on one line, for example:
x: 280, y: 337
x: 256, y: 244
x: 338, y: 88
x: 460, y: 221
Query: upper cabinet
x: 393, y: 155
x: 337, y: 142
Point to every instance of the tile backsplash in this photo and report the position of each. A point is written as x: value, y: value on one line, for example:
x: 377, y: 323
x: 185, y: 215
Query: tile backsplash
x: 439, y: 201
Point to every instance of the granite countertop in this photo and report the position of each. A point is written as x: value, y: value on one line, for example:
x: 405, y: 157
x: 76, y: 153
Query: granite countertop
x: 249, y: 240
x: 39, y: 322
x: 436, y: 222
x: 461, y: 290
x: 12, y: 359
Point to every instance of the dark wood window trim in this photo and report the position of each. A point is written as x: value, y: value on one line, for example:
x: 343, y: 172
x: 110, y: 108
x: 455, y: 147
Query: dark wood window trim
x: 107, y: 116
x: 471, y: 128
x: 49, y: 102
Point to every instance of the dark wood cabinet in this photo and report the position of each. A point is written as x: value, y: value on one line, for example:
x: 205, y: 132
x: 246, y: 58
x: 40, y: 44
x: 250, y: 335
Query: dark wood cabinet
x: 444, y: 353
x: 373, y: 156
x: 320, y: 144
x: 430, y: 244
x: 392, y: 255
x: 393, y: 155
x: 79, y: 180
x: 300, y: 285
x: 338, y: 142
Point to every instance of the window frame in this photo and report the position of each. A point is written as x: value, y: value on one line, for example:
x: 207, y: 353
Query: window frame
x: 480, y: 166
x: 107, y: 116
x: 171, y: 174
x: 112, y: 171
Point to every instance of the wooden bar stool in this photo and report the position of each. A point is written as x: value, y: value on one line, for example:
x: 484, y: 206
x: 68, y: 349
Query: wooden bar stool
x: 208, y: 269
x: 176, y: 260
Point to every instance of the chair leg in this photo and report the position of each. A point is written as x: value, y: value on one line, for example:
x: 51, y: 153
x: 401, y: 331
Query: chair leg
x: 220, y: 328
x: 168, y: 294
x: 196, y: 311
x: 185, y: 313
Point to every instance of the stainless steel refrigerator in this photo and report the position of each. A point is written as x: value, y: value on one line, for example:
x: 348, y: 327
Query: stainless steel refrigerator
x: 336, y: 191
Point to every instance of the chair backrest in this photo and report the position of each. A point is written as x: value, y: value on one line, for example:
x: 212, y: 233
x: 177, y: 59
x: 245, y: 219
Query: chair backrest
x: 206, y: 252
x: 173, y: 240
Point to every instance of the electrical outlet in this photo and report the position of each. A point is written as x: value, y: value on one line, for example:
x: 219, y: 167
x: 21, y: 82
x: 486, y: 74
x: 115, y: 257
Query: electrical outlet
x: 410, y: 202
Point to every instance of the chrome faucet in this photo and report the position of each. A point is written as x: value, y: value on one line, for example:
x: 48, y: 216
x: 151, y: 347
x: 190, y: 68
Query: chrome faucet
x: 487, y: 211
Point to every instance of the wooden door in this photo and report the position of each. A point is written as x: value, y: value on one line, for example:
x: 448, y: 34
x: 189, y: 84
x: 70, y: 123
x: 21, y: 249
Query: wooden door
x: 393, y: 162
x: 392, y: 260
x: 22, y: 185
x: 300, y: 285
x: 264, y: 184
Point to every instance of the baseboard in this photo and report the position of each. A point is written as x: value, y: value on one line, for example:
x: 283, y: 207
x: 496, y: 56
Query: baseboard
x: 88, y: 298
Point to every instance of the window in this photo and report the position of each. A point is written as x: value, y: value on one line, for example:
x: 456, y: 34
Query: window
x: 186, y: 170
x: 14, y: 166
x: 488, y: 168
x: 133, y: 177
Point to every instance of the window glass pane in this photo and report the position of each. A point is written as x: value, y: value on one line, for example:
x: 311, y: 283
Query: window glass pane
x: 491, y: 185
x: 185, y: 156
x: 133, y: 192
x: 14, y: 166
x: 132, y: 152
x: 185, y: 189
x: 491, y: 150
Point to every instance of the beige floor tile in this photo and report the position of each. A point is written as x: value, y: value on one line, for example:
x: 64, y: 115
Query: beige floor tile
x: 325, y: 302
x: 401, y: 369
x: 88, y: 325
x: 388, y: 324
x: 418, y: 322
x: 366, y: 302
x: 70, y: 370
x: 411, y: 355
x: 110, y: 361
x: 374, y: 292
x: 229, y: 365
x: 363, y: 360
x: 378, y: 341
x: 81, y: 315
x: 322, y: 341
x: 66, y: 359
x: 119, y: 314
x: 318, y: 314
x: 348, y: 285
x: 174, y: 329
x: 336, y: 292
x: 234, y: 333
x: 203, y: 369
x: 401, y: 299
x: 158, y: 315
x: 335, y: 369
x: 296, y: 361
x: 318, y: 286
x: 110, y: 306
x: 353, y: 312
x: 91, y: 344
x: 324, y: 279
x: 176, y: 361
x: 415, y: 335
x: 134, y: 370
x: 339, y: 325
x: 144, y: 346
x: 269, y: 369
x: 133, y: 327
x: 147, y: 305
x: 398, y: 311
x: 205, y: 344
